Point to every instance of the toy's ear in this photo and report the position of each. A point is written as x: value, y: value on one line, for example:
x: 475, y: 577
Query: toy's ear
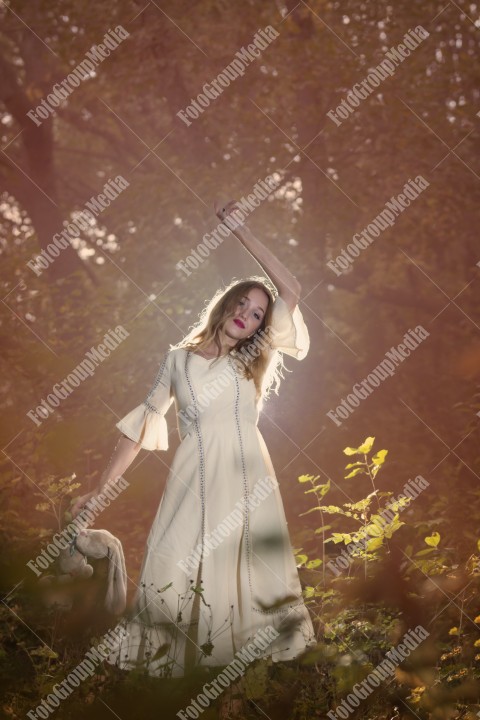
x: 116, y: 599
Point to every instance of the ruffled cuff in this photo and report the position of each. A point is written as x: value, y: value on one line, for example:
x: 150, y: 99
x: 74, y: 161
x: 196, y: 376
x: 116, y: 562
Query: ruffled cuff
x: 290, y: 334
x: 145, y: 427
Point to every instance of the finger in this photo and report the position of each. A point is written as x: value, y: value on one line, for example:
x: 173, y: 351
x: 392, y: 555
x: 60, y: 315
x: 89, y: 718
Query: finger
x: 219, y: 207
x: 229, y: 207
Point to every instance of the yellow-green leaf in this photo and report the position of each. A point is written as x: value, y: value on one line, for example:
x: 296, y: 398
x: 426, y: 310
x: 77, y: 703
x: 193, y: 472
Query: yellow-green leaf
x: 433, y: 539
x: 324, y: 488
x: 44, y: 651
x: 322, y: 529
x: 354, y: 472
x: 341, y: 537
x: 363, y: 449
x: 374, y: 544
x: 305, y: 478
x: 379, y: 457
x: 366, y: 446
x: 43, y: 507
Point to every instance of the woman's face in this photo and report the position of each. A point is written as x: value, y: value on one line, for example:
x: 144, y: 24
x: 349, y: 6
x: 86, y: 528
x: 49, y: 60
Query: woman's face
x: 248, y: 315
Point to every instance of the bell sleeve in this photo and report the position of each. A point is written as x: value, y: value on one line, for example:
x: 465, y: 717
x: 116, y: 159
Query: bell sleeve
x: 146, y: 423
x: 289, y: 334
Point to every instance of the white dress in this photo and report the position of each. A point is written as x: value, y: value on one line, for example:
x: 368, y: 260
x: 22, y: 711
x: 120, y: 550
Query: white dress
x: 199, y: 608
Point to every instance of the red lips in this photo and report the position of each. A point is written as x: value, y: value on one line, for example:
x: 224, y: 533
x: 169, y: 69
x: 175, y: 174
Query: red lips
x: 239, y: 323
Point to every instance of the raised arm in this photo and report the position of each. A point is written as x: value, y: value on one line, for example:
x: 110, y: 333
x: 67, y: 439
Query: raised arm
x: 287, y: 284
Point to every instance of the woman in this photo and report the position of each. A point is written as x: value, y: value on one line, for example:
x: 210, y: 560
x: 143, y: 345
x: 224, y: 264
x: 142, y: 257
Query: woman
x: 218, y: 571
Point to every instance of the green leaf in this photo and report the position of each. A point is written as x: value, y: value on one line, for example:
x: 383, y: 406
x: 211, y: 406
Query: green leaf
x: 341, y: 537
x: 360, y: 505
x: 324, y: 488
x: 307, y: 512
x: 379, y: 457
x: 307, y: 478
x: 363, y: 449
x: 355, y: 464
x: 433, y: 539
x: 301, y: 559
x: 331, y: 509
x: 401, y: 503
x: 320, y: 489
x: 374, y: 544
x: 45, y: 652
x: 322, y: 529
x: 354, y: 472
x: 427, y: 551
x: 43, y: 507
x: 350, y: 451
x: 393, y: 527
x: 367, y: 445
x: 314, y: 563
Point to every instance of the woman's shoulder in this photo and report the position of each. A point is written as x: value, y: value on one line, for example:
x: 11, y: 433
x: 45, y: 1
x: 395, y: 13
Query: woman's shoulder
x: 176, y: 353
x: 173, y: 352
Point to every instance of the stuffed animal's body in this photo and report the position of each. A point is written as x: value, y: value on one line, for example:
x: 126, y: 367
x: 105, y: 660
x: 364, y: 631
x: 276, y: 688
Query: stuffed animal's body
x: 72, y: 564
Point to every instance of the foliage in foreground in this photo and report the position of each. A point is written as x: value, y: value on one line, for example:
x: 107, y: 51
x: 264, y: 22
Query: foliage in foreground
x: 383, y: 568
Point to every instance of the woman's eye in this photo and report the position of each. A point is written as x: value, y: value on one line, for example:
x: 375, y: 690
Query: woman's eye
x: 257, y: 316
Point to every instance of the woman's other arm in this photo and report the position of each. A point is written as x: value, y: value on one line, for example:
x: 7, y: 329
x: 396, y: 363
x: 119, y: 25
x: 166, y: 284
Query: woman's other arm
x: 287, y: 284
x: 123, y: 455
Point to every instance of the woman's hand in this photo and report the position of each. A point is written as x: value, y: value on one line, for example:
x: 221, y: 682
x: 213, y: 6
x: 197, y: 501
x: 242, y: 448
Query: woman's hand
x: 80, y: 502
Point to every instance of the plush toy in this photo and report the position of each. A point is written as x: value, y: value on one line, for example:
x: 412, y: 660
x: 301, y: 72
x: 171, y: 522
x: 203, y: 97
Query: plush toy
x: 72, y: 564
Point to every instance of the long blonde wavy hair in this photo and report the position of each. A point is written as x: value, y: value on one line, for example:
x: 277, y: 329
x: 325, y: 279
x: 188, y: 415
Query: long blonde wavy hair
x: 266, y: 369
